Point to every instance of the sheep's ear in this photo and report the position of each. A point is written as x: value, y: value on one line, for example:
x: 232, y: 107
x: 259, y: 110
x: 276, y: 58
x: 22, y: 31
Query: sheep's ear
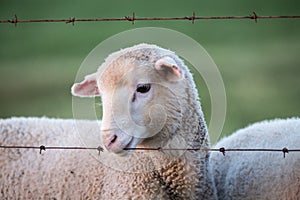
x: 169, y: 68
x: 87, y: 88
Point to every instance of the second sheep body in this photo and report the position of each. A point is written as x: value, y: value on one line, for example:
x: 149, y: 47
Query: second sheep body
x: 259, y: 175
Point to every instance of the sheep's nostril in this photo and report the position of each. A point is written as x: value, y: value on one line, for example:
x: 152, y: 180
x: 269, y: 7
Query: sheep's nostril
x: 114, y: 138
x: 110, y: 141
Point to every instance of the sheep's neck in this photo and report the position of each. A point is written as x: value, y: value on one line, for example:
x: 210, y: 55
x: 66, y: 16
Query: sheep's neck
x: 193, y: 124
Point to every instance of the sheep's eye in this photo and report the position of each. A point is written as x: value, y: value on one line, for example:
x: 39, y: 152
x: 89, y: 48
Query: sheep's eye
x: 143, y: 88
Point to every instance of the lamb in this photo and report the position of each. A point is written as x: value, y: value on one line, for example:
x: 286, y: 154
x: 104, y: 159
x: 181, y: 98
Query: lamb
x: 149, y: 100
x: 259, y: 175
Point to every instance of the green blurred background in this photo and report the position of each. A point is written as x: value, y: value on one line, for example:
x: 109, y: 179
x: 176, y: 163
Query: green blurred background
x: 259, y: 62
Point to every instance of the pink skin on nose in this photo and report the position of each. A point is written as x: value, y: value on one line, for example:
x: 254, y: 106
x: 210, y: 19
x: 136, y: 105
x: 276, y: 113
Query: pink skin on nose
x: 109, y: 141
x: 115, y: 141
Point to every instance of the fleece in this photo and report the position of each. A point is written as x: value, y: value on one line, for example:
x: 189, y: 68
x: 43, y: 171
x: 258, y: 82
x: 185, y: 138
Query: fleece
x: 260, y: 175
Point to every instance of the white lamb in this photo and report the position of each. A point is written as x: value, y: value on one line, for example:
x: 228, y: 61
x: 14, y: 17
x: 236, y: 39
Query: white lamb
x: 259, y: 175
x: 149, y: 100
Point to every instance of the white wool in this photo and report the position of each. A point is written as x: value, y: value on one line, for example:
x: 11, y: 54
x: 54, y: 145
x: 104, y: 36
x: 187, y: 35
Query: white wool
x: 74, y: 174
x: 259, y: 175
x: 25, y: 174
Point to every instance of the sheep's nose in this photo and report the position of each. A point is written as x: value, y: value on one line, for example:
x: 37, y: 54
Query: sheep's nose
x: 109, y: 141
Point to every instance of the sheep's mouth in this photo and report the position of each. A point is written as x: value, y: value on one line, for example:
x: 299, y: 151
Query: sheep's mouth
x: 120, y: 144
x: 129, y: 148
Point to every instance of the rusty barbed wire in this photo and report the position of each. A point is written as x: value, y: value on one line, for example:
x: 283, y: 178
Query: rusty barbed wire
x: 44, y: 148
x: 254, y: 16
x: 222, y: 150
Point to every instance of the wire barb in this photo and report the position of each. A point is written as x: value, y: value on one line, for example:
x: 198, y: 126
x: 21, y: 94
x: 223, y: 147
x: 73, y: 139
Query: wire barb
x: 131, y: 19
x: 192, y: 18
x: 159, y: 149
x: 100, y: 149
x: 285, y: 150
x: 14, y: 21
x: 42, y: 148
x: 71, y: 20
x: 254, y: 16
x: 222, y: 150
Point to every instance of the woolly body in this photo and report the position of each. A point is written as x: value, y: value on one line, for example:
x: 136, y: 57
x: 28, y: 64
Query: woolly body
x: 75, y: 174
x: 259, y: 175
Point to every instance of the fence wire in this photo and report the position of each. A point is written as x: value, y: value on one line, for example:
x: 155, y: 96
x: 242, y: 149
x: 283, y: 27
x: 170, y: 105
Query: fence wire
x: 222, y: 150
x: 254, y: 16
x: 133, y: 18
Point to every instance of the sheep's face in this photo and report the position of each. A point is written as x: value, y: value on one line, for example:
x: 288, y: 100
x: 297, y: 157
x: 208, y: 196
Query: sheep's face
x: 137, y: 97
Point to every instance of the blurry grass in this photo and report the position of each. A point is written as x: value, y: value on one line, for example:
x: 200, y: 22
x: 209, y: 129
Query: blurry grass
x: 36, y: 87
x: 259, y: 62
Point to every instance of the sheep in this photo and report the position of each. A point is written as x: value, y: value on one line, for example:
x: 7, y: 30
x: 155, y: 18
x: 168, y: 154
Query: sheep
x: 259, y: 175
x: 149, y: 100
x: 26, y: 174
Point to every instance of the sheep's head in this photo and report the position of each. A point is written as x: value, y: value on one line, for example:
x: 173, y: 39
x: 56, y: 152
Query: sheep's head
x: 140, y: 91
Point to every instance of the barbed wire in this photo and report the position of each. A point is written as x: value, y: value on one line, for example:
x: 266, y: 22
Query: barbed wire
x: 222, y: 150
x: 133, y: 18
x: 43, y: 148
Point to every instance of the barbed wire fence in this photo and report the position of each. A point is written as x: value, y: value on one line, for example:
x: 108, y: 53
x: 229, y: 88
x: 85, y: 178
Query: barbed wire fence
x: 254, y: 16
x: 100, y: 149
